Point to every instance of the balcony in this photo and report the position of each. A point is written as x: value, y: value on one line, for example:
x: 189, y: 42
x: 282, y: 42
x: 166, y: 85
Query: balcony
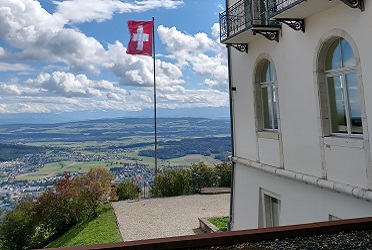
x: 298, y: 9
x: 301, y: 9
x: 240, y: 23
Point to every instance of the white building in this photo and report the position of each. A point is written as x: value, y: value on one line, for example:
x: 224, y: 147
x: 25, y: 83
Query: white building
x: 301, y: 95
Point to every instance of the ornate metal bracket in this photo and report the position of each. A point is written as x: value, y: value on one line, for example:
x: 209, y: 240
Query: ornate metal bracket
x: 296, y: 24
x: 272, y: 35
x: 243, y: 47
x: 354, y: 4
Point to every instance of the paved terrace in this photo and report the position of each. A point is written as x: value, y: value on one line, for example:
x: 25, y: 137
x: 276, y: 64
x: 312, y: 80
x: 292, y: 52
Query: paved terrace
x: 168, y: 217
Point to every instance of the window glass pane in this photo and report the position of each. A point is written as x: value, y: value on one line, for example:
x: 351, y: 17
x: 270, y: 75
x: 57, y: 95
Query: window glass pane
x: 274, y: 108
x: 275, y: 209
x: 348, y: 59
x: 354, y: 104
x: 268, y: 211
x: 265, y: 77
x: 333, y: 58
x: 271, y: 73
x: 271, y: 210
x: 268, y: 98
x: 266, y: 105
x: 337, y: 104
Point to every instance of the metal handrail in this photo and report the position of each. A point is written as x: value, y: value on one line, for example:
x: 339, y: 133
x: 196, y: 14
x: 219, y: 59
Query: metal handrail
x: 244, y: 15
x: 278, y: 6
x: 236, y: 18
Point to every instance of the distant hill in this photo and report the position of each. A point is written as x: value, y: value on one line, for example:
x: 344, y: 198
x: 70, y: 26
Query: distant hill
x: 115, y: 129
x: 49, y: 118
x: 220, y: 146
x: 9, y: 151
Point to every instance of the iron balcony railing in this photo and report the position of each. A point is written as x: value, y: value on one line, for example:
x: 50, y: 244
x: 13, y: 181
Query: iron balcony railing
x: 244, y: 15
x: 278, y: 6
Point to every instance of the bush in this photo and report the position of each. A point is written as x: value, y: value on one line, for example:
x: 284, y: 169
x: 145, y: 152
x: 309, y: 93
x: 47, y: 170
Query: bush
x: 172, y: 183
x: 203, y: 176
x: 189, y: 181
x: 127, y: 190
x: 223, y: 172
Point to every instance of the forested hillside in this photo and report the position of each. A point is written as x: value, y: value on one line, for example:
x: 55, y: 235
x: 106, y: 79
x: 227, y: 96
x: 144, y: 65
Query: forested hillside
x: 220, y: 146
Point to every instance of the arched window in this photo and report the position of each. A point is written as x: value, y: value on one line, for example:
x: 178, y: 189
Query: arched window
x: 342, y: 86
x: 268, y: 97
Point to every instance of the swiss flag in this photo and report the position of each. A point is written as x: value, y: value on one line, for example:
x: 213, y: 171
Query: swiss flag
x: 141, y: 35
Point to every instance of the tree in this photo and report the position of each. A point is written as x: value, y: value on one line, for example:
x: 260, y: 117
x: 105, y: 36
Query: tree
x: 33, y: 224
x: 95, y: 188
x: 18, y: 230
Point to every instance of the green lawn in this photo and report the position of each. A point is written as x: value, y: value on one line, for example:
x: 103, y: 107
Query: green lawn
x: 220, y: 223
x: 100, y: 230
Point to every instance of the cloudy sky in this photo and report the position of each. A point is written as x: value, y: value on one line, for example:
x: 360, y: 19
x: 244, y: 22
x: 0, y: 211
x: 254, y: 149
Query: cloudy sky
x: 62, y: 56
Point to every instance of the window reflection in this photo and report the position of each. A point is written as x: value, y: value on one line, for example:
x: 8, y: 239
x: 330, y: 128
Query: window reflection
x: 268, y: 96
x: 343, y: 90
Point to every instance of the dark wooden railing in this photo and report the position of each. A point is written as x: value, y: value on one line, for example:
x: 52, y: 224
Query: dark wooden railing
x: 234, y: 237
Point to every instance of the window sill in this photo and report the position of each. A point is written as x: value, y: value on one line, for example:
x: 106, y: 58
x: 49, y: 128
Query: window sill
x: 273, y: 135
x: 348, y: 142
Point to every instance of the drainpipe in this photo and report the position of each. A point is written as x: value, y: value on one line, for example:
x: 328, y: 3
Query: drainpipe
x: 231, y: 216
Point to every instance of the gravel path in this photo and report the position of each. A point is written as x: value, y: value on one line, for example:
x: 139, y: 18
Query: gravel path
x: 167, y: 217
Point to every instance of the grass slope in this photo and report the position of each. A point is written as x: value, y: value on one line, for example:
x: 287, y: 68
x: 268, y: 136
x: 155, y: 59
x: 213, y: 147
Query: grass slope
x: 99, y: 230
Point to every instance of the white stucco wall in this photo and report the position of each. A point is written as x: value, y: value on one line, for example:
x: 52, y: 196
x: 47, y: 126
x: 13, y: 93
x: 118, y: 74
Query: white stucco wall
x: 300, y: 203
x: 293, y: 58
x: 302, y: 148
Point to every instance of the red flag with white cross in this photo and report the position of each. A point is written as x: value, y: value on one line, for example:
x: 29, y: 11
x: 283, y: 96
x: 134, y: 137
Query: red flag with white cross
x: 141, y: 37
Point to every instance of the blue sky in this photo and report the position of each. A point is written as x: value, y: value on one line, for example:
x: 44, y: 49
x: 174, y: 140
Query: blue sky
x: 69, y: 57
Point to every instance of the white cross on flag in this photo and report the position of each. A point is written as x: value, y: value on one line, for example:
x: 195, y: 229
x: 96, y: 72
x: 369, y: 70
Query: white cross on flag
x: 141, y: 36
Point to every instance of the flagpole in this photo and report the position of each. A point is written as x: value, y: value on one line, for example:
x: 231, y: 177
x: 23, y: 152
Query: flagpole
x: 155, y: 120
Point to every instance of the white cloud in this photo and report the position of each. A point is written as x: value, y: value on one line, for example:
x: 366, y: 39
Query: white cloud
x: 2, y: 52
x: 138, y: 70
x: 206, y: 56
x: 22, y: 20
x: 216, y: 30
x: 15, y: 67
x: 10, y: 89
x: 69, y: 85
x: 178, y: 41
x: 100, y: 10
x: 65, y: 92
x: 38, y: 36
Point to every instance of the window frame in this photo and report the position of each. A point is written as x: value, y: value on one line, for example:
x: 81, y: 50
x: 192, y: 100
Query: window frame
x: 259, y: 105
x: 272, y: 196
x: 341, y: 72
x: 326, y: 134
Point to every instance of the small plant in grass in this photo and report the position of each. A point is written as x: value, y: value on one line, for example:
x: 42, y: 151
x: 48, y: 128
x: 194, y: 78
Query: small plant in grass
x: 220, y: 223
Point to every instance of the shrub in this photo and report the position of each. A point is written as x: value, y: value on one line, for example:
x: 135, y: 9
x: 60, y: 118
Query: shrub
x: 223, y: 172
x: 188, y: 181
x: 172, y: 183
x: 127, y: 190
x: 203, y: 176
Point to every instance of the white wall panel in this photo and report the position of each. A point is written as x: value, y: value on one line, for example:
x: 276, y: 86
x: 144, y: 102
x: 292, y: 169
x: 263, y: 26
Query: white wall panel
x: 269, y: 151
